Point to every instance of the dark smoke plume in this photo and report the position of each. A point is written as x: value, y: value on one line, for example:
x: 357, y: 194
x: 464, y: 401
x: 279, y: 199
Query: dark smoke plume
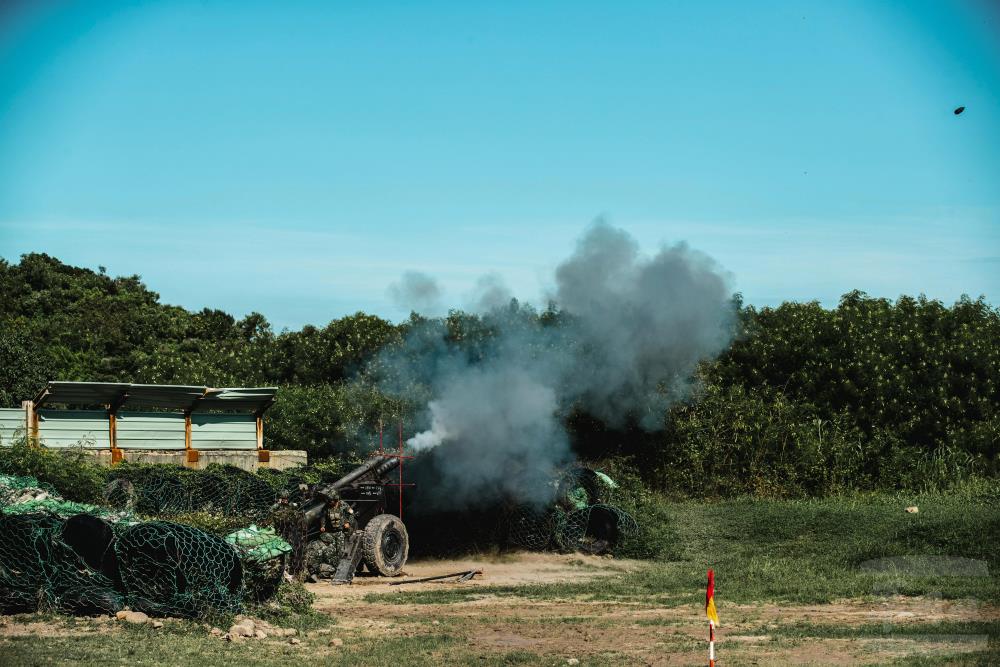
x: 628, y: 335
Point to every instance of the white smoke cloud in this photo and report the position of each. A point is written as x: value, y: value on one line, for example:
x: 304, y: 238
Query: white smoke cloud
x: 631, y: 331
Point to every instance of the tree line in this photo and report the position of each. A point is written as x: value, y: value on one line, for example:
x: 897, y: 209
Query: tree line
x: 871, y: 394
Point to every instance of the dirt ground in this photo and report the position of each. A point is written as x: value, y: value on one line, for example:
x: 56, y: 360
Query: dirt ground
x: 526, y: 627
x: 636, y: 633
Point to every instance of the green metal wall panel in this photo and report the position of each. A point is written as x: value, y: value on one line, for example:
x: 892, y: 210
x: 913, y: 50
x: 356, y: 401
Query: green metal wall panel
x: 223, y: 431
x: 74, y: 428
x: 11, y: 424
x: 150, y: 430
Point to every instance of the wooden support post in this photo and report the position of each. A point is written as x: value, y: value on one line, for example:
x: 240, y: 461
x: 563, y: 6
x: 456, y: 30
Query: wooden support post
x: 113, y: 407
x: 36, y: 404
x: 263, y: 455
x: 191, y: 454
x: 116, y: 454
x: 30, y: 425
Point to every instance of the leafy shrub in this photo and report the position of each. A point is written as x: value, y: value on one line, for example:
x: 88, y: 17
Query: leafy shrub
x: 290, y: 598
x: 211, y: 522
x: 657, y: 537
x: 72, y: 472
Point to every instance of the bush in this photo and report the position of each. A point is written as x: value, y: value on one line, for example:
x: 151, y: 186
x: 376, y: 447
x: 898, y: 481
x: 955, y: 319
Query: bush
x: 328, y: 420
x: 73, y: 472
x: 657, y: 538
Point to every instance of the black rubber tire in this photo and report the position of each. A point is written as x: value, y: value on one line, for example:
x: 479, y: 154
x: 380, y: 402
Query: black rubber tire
x: 385, y: 545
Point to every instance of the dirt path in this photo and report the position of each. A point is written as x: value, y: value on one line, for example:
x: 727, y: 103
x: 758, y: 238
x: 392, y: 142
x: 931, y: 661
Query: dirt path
x: 635, y: 633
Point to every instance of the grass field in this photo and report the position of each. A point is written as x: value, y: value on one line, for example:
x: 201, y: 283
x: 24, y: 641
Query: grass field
x: 796, y: 584
x: 808, y: 551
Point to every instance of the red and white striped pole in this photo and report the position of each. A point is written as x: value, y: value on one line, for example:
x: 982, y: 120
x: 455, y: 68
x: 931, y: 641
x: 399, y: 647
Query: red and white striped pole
x: 711, y: 644
x: 713, y: 616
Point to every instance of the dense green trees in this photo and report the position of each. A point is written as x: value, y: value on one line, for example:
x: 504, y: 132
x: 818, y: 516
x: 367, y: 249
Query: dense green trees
x: 807, y: 400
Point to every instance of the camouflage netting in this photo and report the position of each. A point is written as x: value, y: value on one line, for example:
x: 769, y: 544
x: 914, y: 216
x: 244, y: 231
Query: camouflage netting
x: 98, y: 560
x: 173, y: 569
x: 39, y: 570
x: 291, y: 525
x: 161, y: 490
x: 167, y: 491
x: 581, y: 517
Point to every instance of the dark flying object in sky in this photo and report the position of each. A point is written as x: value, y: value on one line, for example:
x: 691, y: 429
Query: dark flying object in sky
x: 959, y: 110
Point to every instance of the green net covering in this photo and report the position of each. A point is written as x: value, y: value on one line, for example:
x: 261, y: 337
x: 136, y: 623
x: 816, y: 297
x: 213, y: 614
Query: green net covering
x: 290, y: 524
x: 15, y: 490
x: 177, y: 570
x: 40, y: 569
x: 168, y: 490
x: 162, y: 490
x: 73, y: 557
x: 582, y: 517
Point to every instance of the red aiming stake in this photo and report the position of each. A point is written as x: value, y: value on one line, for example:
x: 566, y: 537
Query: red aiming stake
x: 713, y: 617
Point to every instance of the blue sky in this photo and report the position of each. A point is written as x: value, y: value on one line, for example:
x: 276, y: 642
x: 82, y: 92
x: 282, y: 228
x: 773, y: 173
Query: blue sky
x: 296, y: 157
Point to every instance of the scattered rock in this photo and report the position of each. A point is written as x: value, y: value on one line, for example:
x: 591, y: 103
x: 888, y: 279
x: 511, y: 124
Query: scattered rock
x: 572, y: 661
x: 135, y: 617
x: 232, y: 638
x: 912, y: 509
x: 260, y: 634
x: 157, y: 625
x: 336, y: 641
x: 294, y: 640
x: 121, y: 614
x: 215, y: 632
x: 244, y: 628
x: 435, y: 622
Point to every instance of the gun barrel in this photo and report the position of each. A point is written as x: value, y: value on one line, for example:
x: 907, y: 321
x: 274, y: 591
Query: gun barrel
x: 376, y: 469
x: 378, y: 466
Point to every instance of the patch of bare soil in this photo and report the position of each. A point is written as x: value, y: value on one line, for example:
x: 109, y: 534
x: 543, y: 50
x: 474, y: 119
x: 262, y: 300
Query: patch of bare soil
x: 56, y: 628
x: 632, y: 633
x: 509, y: 570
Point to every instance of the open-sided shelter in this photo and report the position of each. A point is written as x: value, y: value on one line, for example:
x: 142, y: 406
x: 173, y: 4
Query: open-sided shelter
x: 119, y: 417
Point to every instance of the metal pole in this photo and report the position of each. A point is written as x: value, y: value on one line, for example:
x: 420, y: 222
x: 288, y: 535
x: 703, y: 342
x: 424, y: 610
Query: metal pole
x: 400, y: 453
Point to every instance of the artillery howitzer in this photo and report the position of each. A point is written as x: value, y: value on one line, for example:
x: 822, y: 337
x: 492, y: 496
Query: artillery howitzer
x: 351, y: 512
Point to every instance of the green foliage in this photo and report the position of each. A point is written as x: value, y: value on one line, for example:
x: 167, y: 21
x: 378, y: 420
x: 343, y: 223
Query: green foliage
x: 73, y: 473
x: 872, y: 394
x: 329, y: 419
x: 927, y: 374
x: 657, y: 538
x: 211, y: 522
x: 795, y: 551
x: 23, y: 369
x: 293, y: 597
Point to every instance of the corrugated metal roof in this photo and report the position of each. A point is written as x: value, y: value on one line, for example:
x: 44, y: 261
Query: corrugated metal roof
x: 251, y: 399
x: 168, y: 396
x: 174, y: 396
x: 80, y: 393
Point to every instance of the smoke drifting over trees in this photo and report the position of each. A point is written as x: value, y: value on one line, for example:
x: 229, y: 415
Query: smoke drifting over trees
x: 873, y: 394
x: 418, y: 291
x: 622, y: 345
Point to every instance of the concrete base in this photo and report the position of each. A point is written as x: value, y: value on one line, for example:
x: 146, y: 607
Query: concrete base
x: 246, y: 460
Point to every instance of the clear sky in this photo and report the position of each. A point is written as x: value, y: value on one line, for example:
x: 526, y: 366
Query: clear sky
x: 295, y: 157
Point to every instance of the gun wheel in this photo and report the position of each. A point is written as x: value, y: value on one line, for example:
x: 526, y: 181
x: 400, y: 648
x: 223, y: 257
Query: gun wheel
x: 385, y: 545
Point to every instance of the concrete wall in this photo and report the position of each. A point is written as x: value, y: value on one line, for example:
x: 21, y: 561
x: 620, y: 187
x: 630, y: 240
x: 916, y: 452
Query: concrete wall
x: 279, y: 460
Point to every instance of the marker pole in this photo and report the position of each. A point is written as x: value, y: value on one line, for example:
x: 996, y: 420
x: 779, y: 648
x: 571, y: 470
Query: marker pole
x: 711, y: 644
